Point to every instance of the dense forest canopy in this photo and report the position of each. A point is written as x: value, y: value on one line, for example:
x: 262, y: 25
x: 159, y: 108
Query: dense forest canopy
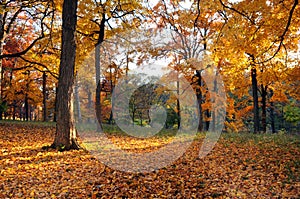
x: 254, y: 46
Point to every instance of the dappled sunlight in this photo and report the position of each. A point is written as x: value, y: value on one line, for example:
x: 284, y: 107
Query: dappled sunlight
x: 149, y: 99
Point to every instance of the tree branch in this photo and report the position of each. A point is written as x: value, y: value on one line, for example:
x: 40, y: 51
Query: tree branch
x: 40, y: 64
x: 19, y: 54
x: 282, y: 36
x: 237, y: 11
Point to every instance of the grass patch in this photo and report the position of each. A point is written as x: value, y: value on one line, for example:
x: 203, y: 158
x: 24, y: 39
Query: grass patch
x: 263, y: 139
x: 28, y: 123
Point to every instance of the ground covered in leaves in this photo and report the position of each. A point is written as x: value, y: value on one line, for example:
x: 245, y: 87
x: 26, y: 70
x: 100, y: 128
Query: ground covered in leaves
x: 240, y: 166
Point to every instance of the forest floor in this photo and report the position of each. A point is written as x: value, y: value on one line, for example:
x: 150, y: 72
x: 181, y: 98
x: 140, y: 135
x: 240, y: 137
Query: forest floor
x: 240, y: 166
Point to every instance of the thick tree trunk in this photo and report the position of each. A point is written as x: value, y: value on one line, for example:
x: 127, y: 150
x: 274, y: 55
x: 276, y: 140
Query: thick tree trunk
x: 1, y: 50
x: 65, y: 137
x: 255, y: 100
x: 264, y: 108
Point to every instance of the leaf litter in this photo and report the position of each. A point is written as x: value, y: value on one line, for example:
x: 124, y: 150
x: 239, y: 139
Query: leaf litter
x: 233, y: 169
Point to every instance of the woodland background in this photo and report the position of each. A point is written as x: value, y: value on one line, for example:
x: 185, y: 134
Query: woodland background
x: 253, y: 44
x: 47, y: 86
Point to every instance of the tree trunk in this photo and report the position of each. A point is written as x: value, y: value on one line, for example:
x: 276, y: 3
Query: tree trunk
x: 65, y: 137
x: 77, y: 102
x: 98, y: 71
x: 272, y: 115
x: 199, y: 99
x: 207, y: 120
x: 213, y: 111
x: 14, y: 110
x: 133, y: 113
x: 30, y: 112
x: 178, y: 102
x: 98, y: 106
x: 255, y: 100
x: 55, y: 105
x: 45, y: 116
x: 110, y: 120
x: 90, y: 104
x: 26, y: 100
x: 26, y: 105
x: 264, y: 107
x: 1, y: 50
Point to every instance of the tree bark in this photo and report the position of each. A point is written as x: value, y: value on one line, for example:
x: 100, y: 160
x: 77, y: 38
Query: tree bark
x: 264, y: 107
x: 207, y: 122
x: 14, y: 110
x: 1, y: 50
x: 98, y: 71
x: 45, y: 116
x: 255, y: 100
x: 26, y: 100
x: 213, y: 111
x: 26, y: 105
x: 65, y: 137
x: 110, y: 120
x: 55, y: 105
x: 272, y: 115
x: 178, y: 102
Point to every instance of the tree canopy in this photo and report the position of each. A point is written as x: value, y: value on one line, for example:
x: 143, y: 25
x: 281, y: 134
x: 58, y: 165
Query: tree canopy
x: 253, y: 44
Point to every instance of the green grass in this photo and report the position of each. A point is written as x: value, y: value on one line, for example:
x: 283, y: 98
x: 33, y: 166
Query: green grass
x: 28, y: 123
x: 277, y: 139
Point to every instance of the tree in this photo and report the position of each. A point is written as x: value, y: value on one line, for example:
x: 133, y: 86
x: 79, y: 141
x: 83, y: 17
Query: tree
x: 254, y: 34
x: 25, y: 21
x: 193, y: 27
x: 65, y: 136
x: 106, y: 11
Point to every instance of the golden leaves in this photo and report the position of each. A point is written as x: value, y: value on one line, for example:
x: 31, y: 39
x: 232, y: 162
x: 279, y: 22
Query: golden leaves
x: 240, y: 166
